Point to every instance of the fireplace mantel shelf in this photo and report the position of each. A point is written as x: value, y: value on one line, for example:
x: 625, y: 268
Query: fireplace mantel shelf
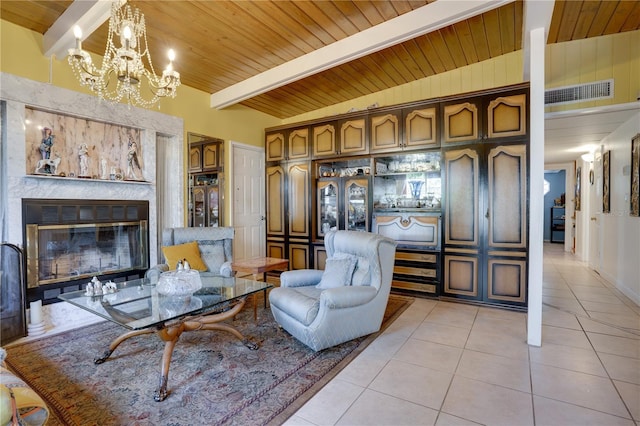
x: 135, y: 182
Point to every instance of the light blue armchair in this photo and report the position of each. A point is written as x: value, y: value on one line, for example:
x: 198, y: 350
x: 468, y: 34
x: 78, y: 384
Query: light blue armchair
x: 346, y: 300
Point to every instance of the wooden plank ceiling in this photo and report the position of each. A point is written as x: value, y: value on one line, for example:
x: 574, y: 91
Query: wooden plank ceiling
x: 220, y: 43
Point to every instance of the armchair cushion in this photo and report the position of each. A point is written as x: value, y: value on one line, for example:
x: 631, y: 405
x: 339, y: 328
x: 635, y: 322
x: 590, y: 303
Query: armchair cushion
x: 337, y: 272
x: 189, y: 251
x: 212, y: 252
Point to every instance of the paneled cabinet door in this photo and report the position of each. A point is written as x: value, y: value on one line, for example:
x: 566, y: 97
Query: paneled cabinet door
x: 461, y: 121
x: 420, y: 128
x: 210, y: 156
x: 195, y: 158
x: 275, y: 200
x: 507, y: 116
x: 462, y: 234
x: 356, y: 205
x: 299, y: 144
x: 507, y: 192
x: 324, y: 141
x: 506, y: 224
x: 353, y: 137
x: 385, y: 133
x: 275, y: 146
x: 298, y: 182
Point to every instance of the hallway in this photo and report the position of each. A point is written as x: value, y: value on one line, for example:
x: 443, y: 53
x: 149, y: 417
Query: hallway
x: 454, y: 364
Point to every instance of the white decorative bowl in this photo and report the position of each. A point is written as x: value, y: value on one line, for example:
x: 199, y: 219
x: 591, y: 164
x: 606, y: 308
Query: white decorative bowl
x: 179, y: 283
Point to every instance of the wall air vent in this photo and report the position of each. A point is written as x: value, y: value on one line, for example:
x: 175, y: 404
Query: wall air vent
x: 579, y: 93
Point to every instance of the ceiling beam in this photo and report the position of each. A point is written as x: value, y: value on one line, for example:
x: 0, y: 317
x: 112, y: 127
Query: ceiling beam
x: 537, y: 14
x: 87, y: 14
x: 423, y: 20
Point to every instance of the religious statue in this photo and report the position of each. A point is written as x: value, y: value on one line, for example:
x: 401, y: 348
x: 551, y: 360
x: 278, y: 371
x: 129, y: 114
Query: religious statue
x: 45, y: 147
x: 132, y: 160
x: 83, y: 153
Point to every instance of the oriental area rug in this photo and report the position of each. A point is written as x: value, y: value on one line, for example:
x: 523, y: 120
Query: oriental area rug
x: 213, y: 378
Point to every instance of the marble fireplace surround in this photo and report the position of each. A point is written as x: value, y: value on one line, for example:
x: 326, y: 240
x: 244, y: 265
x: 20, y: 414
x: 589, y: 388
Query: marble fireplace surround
x: 17, y: 94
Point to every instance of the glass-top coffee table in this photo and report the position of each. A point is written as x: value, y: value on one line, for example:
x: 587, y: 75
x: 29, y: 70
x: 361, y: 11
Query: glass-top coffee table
x: 137, y: 305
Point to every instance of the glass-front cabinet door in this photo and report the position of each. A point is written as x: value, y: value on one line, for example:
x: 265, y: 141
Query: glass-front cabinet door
x: 356, y: 204
x: 199, y: 206
x: 327, y: 196
x: 214, y: 196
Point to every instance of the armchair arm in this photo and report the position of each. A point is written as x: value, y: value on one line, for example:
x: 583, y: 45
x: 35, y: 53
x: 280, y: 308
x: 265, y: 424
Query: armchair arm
x: 347, y: 297
x: 300, y: 277
x: 153, y: 274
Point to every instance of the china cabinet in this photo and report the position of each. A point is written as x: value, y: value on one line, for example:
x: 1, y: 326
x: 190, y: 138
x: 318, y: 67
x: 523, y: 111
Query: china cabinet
x: 206, y: 181
x: 407, y: 207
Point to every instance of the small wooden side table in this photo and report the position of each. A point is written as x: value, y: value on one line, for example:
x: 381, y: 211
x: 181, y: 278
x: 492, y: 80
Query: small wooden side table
x: 260, y: 266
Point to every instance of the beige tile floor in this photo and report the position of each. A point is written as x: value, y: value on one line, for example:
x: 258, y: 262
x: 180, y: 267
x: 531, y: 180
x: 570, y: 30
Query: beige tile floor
x: 444, y: 363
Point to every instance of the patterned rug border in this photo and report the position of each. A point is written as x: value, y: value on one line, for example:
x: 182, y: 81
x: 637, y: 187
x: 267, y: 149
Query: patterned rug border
x: 306, y: 395
x: 58, y: 414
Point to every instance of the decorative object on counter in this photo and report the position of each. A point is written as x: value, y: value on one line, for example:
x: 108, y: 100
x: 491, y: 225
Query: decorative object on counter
x: 416, y: 188
x: 179, y: 283
x: 96, y: 288
x: 122, y: 72
x: 132, y: 160
x: 48, y: 166
x: 45, y: 146
x: 83, y: 154
x: 103, y: 169
x: 36, y: 324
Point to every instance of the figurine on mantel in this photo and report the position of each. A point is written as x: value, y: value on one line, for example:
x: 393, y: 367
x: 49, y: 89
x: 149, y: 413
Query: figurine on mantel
x: 83, y: 153
x: 132, y: 160
x: 45, y: 146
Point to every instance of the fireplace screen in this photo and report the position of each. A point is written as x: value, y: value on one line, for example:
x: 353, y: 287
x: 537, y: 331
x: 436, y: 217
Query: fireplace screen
x: 61, y: 253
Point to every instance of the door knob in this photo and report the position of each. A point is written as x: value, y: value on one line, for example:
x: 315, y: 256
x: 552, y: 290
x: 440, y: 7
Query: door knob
x: 593, y: 218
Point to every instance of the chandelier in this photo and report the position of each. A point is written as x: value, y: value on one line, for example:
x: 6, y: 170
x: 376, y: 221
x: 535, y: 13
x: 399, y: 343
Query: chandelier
x: 124, y: 68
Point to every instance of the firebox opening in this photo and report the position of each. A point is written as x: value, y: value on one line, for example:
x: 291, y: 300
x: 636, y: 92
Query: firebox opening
x: 70, y: 241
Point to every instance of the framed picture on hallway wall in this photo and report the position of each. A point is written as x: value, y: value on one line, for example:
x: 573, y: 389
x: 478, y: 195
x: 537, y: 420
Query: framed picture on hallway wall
x: 606, y: 175
x: 577, y: 189
x: 634, y: 204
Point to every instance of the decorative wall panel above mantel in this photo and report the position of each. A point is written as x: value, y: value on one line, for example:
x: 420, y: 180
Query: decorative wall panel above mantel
x: 67, y: 146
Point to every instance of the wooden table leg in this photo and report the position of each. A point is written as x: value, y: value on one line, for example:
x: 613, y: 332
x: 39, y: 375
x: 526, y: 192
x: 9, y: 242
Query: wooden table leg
x: 116, y: 343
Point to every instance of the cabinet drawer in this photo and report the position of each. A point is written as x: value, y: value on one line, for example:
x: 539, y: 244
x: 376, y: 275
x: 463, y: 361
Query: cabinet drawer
x: 416, y: 257
x: 408, y: 285
x: 418, y: 272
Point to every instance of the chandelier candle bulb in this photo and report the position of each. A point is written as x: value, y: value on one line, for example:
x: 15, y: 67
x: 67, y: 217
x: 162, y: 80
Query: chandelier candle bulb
x: 77, y: 32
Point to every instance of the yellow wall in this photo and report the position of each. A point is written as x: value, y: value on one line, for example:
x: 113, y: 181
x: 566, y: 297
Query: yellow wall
x: 600, y: 58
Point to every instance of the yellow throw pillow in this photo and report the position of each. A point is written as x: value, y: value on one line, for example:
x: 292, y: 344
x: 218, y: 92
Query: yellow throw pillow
x: 189, y: 251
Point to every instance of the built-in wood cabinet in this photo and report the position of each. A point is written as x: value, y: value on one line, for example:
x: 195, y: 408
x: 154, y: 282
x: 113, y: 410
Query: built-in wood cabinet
x: 362, y: 170
x: 288, y: 186
x: 206, y: 181
x: 496, y: 116
x: 340, y: 138
x: 205, y: 156
x: 485, y: 217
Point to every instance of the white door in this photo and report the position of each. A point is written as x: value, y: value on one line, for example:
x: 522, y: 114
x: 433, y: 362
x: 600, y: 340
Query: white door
x: 248, y: 201
x: 595, y: 212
